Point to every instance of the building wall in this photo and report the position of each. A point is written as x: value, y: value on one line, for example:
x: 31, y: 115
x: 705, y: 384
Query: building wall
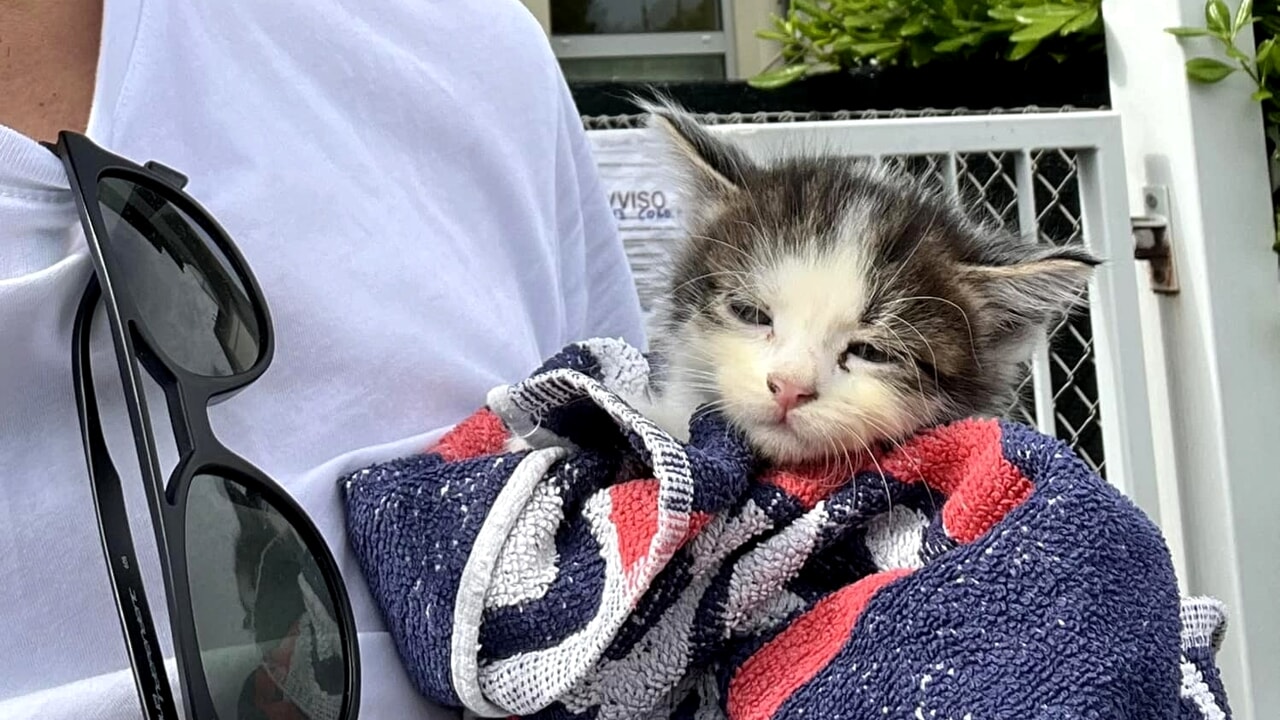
x: 541, y: 9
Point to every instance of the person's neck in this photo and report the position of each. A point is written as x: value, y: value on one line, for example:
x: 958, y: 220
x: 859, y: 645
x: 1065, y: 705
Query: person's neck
x: 48, y: 60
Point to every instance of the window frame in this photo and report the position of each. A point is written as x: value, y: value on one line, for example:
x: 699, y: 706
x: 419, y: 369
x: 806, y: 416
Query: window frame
x: 720, y: 43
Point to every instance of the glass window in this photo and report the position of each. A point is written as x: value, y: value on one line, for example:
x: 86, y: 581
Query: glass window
x: 595, y: 17
x: 653, y: 68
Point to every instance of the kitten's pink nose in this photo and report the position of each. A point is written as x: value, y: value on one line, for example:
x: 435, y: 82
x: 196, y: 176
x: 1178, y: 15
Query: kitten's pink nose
x: 790, y: 394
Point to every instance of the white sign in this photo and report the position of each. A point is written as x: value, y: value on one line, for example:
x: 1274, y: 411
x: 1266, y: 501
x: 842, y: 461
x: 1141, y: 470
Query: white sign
x: 645, y: 202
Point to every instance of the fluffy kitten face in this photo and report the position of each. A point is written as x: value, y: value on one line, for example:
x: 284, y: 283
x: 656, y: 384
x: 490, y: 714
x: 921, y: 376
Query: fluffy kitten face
x: 825, y: 305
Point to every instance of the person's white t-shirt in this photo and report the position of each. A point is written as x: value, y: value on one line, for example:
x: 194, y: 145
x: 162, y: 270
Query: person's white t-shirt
x: 409, y: 182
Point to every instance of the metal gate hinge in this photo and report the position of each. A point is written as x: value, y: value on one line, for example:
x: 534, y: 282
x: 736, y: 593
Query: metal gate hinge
x: 1151, y: 239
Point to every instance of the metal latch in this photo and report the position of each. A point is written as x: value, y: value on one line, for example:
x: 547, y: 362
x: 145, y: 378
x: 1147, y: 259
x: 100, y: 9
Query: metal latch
x: 1151, y: 241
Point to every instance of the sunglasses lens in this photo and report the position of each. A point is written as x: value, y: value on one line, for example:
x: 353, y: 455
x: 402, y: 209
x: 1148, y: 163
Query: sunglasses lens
x: 265, y: 621
x: 194, y: 304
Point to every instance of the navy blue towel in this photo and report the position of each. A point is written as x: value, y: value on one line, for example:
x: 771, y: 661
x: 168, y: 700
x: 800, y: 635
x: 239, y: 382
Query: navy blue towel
x: 559, y: 556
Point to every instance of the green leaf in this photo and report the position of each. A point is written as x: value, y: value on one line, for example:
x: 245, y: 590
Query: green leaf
x: 888, y: 56
x: 1234, y: 53
x: 1023, y: 49
x: 921, y: 54
x: 912, y: 27
x: 855, y: 23
x: 1244, y: 14
x: 778, y: 78
x: 822, y: 68
x: 955, y: 43
x: 1218, y: 17
x: 873, y: 48
x: 812, y: 10
x: 1187, y: 31
x: 1045, y: 12
x: 1261, y: 94
x: 1083, y: 21
x: 1208, y: 70
x: 842, y: 44
x: 773, y: 35
x: 1264, y: 51
x: 1037, y: 31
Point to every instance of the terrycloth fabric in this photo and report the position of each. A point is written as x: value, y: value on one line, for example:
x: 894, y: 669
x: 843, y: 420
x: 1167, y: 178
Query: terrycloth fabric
x: 978, y: 571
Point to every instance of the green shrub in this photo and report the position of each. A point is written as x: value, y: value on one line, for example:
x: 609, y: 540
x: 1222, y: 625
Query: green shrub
x: 1263, y: 67
x: 1224, y: 27
x: 821, y: 36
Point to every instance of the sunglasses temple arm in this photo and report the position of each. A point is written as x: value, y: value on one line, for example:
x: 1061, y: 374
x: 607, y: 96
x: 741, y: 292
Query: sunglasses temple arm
x: 145, y: 653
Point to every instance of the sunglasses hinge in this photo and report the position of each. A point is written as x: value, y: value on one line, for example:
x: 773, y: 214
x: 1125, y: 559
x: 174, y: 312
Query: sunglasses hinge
x: 168, y: 174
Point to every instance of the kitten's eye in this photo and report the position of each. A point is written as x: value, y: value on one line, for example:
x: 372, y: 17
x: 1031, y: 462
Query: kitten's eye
x: 750, y: 314
x: 863, y: 351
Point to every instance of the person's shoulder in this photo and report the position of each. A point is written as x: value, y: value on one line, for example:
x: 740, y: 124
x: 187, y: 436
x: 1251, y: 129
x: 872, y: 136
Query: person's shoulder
x: 493, y: 40
x: 485, y: 63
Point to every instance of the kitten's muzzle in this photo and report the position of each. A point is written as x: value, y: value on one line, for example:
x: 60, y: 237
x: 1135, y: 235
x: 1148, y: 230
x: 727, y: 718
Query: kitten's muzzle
x: 790, y: 394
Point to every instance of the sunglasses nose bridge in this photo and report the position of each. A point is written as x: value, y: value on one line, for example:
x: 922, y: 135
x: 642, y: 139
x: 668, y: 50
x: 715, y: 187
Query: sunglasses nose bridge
x: 189, y: 402
x: 188, y: 416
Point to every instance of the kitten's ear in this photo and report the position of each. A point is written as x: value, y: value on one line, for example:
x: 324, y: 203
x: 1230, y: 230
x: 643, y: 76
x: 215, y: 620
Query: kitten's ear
x: 1032, y: 287
x: 712, y: 168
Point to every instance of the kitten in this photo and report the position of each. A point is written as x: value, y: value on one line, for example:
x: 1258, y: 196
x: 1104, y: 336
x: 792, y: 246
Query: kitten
x: 826, y: 305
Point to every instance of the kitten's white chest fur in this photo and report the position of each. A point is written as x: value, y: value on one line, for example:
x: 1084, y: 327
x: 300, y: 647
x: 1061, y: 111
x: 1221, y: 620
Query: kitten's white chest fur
x: 671, y: 406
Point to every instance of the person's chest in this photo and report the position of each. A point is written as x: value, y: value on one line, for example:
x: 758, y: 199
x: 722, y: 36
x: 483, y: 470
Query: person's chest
x: 407, y: 248
x: 404, y: 233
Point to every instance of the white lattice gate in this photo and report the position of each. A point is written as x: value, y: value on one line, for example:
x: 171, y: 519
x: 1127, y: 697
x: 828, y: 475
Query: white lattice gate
x: 1057, y: 176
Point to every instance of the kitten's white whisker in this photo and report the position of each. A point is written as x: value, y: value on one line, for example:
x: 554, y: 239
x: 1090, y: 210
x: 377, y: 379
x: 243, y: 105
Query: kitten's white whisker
x: 884, y: 478
x: 923, y: 339
x: 883, y: 431
x: 915, y: 366
x: 973, y: 347
x: 836, y: 449
x: 699, y: 375
x: 704, y: 276
x: 852, y: 467
x: 722, y: 243
x: 903, y: 265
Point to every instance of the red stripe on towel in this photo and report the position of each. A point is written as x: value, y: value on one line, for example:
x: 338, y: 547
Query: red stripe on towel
x: 964, y: 461
x: 634, y: 516
x: 808, y: 485
x: 481, y: 434
x: 787, y: 662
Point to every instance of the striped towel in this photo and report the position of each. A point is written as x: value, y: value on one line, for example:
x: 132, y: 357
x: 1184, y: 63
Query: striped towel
x: 978, y: 570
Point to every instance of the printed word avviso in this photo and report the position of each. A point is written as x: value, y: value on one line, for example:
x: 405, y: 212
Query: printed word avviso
x: 640, y: 205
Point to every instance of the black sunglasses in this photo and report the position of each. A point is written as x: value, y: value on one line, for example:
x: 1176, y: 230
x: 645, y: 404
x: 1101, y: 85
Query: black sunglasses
x: 262, y: 626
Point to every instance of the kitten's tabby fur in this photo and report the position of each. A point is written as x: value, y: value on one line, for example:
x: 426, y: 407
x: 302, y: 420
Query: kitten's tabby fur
x: 853, y: 281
